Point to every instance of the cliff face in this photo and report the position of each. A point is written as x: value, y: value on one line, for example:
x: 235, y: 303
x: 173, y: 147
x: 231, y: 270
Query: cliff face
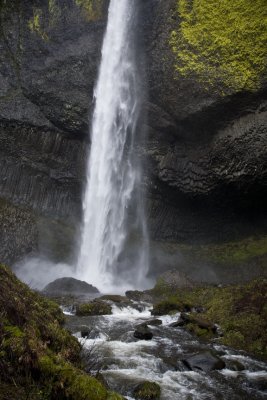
x: 204, y: 152
x: 49, y: 57
x: 206, y: 149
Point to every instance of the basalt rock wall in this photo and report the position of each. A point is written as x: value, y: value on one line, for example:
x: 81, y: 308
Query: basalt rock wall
x: 50, y: 52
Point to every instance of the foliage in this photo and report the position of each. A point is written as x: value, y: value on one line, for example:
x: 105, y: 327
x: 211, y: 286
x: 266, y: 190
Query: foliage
x: 239, y: 310
x: 39, y: 359
x: 221, y: 42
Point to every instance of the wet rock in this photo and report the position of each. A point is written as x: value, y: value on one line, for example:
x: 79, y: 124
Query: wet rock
x: 165, y: 307
x: 205, y: 361
x: 95, y: 307
x: 237, y: 366
x: 119, y: 301
x: 176, y: 324
x: 138, y: 295
x: 147, y: 391
x: 69, y: 286
x: 85, y: 333
x: 115, y: 298
x: 142, y: 332
x: 202, y: 323
x: 154, y: 322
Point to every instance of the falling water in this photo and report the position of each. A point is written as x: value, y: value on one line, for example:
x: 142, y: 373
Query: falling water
x: 113, y: 251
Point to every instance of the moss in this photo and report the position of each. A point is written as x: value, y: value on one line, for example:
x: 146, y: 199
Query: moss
x: 239, y: 252
x: 39, y: 359
x: 147, y: 391
x: 92, y: 8
x: 94, y: 308
x: 35, y: 23
x: 167, y: 306
x: 221, y: 42
x: 239, y: 310
x: 70, y: 381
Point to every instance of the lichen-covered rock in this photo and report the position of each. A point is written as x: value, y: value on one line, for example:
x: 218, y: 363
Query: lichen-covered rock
x: 147, y: 391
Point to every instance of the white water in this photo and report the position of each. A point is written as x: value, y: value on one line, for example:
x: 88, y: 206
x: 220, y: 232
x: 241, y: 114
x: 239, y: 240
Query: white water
x: 129, y: 361
x: 113, y: 207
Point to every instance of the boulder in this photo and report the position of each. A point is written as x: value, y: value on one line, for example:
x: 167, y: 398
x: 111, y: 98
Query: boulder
x: 154, y: 322
x: 96, y: 307
x: 166, y: 306
x: 142, y: 332
x: 202, y: 323
x: 68, y: 286
x: 205, y: 361
x: 138, y: 295
x: 147, y: 391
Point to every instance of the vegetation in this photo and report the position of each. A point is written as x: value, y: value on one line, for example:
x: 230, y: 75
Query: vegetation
x: 35, y: 24
x: 147, y: 391
x: 221, y: 43
x: 96, y: 307
x: 240, y: 252
x: 92, y: 8
x: 38, y: 358
x: 239, y: 310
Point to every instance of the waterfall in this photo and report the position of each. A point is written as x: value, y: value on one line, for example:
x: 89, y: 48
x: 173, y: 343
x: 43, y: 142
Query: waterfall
x: 113, y: 252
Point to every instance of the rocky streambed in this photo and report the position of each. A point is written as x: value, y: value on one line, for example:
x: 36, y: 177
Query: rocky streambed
x: 130, y: 346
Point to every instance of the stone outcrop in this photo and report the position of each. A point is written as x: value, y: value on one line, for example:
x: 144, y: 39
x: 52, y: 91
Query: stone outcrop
x: 206, y: 162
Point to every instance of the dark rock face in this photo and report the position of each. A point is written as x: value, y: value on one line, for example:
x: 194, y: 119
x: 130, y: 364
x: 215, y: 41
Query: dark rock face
x: 70, y: 286
x: 205, y: 157
x: 205, y: 361
x: 49, y: 58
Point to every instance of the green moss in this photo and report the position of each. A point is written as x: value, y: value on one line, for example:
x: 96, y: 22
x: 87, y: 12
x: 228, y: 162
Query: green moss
x: 221, y: 43
x: 147, y: 391
x: 91, y: 8
x: 167, y: 306
x: 94, y: 308
x: 70, y: 381
x: 240, y: 252
x: 240, y: 311
x: 39, y: 359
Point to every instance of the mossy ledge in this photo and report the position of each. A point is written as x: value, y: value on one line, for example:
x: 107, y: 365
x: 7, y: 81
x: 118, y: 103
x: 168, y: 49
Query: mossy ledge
x: 221, y: 43
x: 239, y: 310
x: 39, y: 359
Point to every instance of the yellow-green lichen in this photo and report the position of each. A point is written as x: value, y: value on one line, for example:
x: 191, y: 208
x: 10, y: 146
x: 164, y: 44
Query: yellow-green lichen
x: 91, y: 8
x: 221, y: 43
x: 35, y: 23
